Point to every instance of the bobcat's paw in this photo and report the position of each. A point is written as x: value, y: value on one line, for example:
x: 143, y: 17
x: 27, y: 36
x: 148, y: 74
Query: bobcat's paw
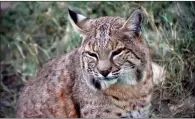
x: 135, y: 114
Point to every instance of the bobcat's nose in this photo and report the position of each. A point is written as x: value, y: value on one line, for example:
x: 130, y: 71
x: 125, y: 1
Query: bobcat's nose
x: 104, y: 67
x: 104, y: 72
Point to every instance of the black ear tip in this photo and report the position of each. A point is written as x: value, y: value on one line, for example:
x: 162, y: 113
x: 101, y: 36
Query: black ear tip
x: 70, y: 11
x: 139, y: 10
x: 140, y: 7
x: 73, y: 15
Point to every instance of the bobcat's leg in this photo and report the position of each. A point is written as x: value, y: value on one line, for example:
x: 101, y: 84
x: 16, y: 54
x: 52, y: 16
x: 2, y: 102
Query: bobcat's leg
x: 138, y: 113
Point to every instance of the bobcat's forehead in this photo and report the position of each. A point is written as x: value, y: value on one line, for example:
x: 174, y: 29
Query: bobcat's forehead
x: 101, y: 39
x: 104, y: 27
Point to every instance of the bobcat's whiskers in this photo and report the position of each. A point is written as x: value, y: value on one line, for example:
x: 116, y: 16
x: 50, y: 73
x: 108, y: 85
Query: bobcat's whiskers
x: 127, y: 77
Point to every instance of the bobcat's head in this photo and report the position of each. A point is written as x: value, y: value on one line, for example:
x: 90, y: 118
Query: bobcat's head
x: 113, y: 51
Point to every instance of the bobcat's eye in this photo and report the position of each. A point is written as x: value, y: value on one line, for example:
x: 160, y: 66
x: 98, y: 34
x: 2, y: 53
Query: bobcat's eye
x: 91, y: 54
x: 117, y: 52
x: 132, y: 65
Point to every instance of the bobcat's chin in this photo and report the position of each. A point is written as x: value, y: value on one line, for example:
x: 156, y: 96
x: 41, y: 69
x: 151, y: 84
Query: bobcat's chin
x: 107, y: 82
x: 101, y: 83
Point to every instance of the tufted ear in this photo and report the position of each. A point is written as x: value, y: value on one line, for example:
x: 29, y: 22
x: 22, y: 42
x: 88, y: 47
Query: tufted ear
x: 79, y: 22
x: 133, y: 23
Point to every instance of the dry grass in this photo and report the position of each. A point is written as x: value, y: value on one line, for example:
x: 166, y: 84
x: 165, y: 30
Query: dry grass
x: 34, y: 32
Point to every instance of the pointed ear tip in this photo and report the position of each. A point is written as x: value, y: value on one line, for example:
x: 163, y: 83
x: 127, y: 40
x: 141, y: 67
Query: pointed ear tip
x: 138, y: 10
x: 72, y: 15
x: 140, y: 7
x: 70, y: 11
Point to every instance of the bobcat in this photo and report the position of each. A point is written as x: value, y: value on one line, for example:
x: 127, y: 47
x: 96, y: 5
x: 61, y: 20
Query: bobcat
x: 110, y: 75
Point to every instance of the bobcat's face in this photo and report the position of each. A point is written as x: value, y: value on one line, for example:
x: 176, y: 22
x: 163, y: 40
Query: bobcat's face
x: 105, y: 63
x: 112, y: 52
x: 111, y: 63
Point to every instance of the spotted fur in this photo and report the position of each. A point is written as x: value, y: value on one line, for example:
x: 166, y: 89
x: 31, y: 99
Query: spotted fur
x: 110, y: 75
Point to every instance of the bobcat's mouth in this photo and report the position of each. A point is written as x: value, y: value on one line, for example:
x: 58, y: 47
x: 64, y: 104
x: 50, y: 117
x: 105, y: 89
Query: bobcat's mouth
x: 108, y: 78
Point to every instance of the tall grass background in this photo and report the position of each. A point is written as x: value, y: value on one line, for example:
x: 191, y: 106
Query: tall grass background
x: 34, y: 32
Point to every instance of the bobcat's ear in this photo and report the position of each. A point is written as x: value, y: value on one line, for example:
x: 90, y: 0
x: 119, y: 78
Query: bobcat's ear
x: 133, y: 23
x: 79, y: 22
